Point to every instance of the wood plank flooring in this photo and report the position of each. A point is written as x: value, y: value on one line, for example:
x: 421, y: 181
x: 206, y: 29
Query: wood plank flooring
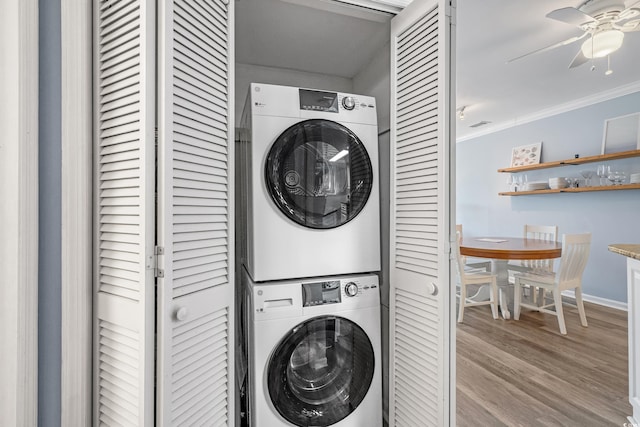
x: 525, y: 373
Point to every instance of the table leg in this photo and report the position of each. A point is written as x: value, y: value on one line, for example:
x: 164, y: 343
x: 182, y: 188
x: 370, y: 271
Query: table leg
x: 499, y: 268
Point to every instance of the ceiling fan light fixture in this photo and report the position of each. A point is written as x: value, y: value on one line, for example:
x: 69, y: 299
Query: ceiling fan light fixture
x: 602, y: 43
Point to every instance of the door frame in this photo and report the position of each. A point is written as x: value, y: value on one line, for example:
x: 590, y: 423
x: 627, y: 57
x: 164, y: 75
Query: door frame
x: 76, y: 40
x: 19, y: 27
x: 77, y: 233
x: 20, y: 391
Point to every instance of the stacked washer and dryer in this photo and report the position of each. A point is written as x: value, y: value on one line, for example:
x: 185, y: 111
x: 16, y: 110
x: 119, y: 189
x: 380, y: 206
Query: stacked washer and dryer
x: 309, y: 245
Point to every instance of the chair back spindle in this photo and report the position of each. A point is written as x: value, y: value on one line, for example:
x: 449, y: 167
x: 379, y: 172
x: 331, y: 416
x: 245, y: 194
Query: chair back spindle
x: 546, y: 233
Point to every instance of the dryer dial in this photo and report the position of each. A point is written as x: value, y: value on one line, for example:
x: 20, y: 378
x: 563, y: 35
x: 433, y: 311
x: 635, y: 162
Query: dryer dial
x: 348, y: 102
x: 351, y: 289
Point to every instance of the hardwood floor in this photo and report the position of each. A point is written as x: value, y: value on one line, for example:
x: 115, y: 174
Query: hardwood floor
x: 524, y: 373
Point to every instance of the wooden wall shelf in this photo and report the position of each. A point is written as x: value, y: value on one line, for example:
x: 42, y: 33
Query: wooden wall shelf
x: 578, y: 161
x: 573, y: 190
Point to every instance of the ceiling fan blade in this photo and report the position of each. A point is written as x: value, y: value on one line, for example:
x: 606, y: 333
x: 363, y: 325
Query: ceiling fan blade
x: 547, y: 48
x: 630, y: 12
x: 629, y: 26
x: 571, y: 15
x: 578, y: 60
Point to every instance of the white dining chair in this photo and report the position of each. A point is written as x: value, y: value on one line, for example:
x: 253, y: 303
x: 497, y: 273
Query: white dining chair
x: 575, y: 252
x: 470, y: 266
x: 474, y: 277
x: 547, y: 233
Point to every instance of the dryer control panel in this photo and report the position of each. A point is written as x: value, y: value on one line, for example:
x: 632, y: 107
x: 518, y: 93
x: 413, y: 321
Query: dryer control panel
x: 316, y: 100
x: 294, y: 102
x: 332, y: 102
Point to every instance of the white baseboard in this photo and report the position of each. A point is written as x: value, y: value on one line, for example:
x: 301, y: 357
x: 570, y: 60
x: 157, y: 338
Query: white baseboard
x: 618, y: 305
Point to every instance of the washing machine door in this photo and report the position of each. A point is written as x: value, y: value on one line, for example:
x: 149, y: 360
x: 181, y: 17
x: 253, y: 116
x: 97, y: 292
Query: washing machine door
x: 321, y: 371
x: 318, y: 173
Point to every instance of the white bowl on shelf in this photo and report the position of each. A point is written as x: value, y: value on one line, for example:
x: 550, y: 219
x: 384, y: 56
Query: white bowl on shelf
x: 557, y: 183
x: 532, y: 186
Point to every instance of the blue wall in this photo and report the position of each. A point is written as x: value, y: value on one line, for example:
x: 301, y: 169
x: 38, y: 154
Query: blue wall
x: 49, y: 260
x: 611, y: 216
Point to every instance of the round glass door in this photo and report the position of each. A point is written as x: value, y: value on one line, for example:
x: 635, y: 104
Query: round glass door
x: 321, y: 371
x: 319, y: 174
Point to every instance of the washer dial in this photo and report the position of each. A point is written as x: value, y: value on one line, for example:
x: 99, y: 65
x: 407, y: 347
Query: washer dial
x: 351, y: 289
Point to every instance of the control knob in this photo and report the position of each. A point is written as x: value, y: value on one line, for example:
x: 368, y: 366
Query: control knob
x: 351, y: 289
x: 348, y: 103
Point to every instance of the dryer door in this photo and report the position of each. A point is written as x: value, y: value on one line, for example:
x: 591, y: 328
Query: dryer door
x: 321, y: 371
x: 319, y: 174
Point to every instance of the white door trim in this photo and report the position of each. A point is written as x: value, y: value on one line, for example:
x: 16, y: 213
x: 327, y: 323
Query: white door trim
x: 76, y: 244
x: 19, y: 212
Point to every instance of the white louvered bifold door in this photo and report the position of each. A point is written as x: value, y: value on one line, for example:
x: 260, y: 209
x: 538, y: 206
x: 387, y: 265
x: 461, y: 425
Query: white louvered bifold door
x: 124, y: 147
x: 195, y: 217
x: 421, y: 138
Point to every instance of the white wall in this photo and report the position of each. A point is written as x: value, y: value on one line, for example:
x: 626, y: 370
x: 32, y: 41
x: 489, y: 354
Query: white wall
x: 611, y: 216
x: 374, y: 80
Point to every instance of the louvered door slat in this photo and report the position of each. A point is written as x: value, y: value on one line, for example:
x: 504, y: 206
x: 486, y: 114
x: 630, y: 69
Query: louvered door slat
x: 125, y: 179
x: 195, y: 339
x: 420, y: 217
x: 418, y: 67
x: 419, y: 86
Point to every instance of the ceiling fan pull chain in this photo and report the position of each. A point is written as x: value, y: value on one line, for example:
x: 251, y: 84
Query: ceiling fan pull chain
x: 593, y: 61
x: 609, y: 70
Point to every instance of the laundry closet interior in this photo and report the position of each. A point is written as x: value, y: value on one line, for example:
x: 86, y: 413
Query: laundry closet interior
x: 336, y: 49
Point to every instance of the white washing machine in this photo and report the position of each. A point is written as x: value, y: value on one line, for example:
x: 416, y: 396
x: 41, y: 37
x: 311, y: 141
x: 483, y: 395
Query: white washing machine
x: 314, y: 355
x: 308, y: 170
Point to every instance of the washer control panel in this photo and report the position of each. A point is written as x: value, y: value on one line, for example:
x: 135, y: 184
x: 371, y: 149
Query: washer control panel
x: 320, y: 293
x: 337, y: 291
x: 312, y: 296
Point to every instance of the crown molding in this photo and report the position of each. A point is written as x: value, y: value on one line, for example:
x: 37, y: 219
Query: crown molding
x: 558, y: 109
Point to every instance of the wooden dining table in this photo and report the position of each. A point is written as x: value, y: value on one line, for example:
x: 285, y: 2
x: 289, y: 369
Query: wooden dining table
x: 500, y: 250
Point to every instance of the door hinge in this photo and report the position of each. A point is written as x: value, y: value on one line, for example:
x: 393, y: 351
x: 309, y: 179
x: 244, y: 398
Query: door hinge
x: 157, y: 271
x: 447, y: 248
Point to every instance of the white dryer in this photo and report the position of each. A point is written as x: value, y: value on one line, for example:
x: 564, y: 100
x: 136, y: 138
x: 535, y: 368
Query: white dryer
x: 314, y: 355
x: 308, y: 173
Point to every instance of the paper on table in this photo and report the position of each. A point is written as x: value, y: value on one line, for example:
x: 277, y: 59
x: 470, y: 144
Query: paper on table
x: 492, y: 240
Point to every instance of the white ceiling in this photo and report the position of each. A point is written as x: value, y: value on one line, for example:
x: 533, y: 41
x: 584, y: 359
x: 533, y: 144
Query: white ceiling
x: 275, y: 33
x: 492, y: 31
x: 280, y: 34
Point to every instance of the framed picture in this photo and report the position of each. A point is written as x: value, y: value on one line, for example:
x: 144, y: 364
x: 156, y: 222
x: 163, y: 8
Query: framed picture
x: 526, y: 155
x: 621, y: 134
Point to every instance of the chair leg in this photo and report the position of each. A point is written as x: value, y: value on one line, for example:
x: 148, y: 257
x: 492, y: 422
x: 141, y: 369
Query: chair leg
x: 557, y: 299
x: 580, y: 304
x: 540, y: 300
x: 463, y: 298
x: 494, y: 299
x: 517, y: 295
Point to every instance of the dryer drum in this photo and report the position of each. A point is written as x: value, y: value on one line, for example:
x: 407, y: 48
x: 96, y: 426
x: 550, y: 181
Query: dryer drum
x: 321, y: 371
x: 319, y: 174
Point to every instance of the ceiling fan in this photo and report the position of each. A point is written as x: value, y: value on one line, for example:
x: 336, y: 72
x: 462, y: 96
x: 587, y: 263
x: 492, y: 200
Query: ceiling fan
x: 604, y: 23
